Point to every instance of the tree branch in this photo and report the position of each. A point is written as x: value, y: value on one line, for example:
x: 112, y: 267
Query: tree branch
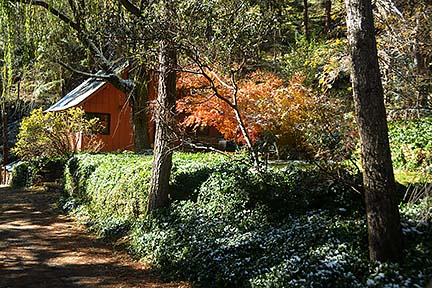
x: 205, y: 71
x: 97, y: 76
x: 131, y: 7
x: 123, y: 85
x: 105, y: 63
x: 53, y: 11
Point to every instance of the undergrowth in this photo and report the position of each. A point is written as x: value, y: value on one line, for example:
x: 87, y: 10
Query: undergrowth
x: 230, y: 226
x: 411, y: 143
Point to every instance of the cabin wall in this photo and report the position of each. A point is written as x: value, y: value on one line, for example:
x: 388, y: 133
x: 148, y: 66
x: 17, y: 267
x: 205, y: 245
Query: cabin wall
x: 110, y: 100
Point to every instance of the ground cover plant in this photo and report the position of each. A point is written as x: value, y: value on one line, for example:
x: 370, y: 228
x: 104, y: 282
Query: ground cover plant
x: 411, y: 143
x: 230, y: 226
x: 110, y: 191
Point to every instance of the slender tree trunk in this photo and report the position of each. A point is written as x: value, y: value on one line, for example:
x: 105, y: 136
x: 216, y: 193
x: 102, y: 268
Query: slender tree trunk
x: 165, y: 121
x: 5, y: 137
x: 421, y: 67
x: 140, y: 105
x: 385, y: 237
x: 306, y: 18
x: 328, y: 7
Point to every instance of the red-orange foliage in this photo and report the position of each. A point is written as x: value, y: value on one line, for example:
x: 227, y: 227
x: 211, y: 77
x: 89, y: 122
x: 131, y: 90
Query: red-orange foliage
x: 265, y: 102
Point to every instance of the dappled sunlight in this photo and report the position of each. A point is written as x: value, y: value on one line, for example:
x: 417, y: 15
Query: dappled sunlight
x: 40, y: 248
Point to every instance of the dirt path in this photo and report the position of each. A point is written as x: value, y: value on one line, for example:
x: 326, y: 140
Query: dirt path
x: 39, y: 247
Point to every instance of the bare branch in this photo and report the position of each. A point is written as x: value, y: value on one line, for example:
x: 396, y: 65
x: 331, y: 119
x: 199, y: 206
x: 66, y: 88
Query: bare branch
x: 97, y: 76
x: 205, y: 71
x: 53, y: 11
x: 123, y: 85
x: 105, y: 63
x: 205, y: 147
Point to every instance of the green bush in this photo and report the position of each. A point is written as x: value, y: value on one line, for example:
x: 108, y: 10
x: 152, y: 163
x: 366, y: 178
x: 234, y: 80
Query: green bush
x: 22, y: 175
x: 36, y: 171
x: 113, y: 188
x: 55, y: 134
x: 242, y: 224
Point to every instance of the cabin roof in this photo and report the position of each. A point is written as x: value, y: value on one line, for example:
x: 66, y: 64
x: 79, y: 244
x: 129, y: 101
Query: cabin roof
x: 83, y: 91
x: 77, y: 95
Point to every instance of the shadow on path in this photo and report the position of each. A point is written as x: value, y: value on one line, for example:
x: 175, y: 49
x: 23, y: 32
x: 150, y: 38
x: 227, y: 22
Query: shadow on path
x: 39, y: 247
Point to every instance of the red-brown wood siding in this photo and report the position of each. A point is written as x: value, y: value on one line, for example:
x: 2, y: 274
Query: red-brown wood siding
x: 112, y: 101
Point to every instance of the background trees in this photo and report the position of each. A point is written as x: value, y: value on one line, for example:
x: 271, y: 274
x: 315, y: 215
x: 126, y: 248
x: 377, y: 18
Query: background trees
x: 405, y: 53
x: 249, y: 68
x: 101, y: 33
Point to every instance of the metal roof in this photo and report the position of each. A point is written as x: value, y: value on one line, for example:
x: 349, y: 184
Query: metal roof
x: 77, y: 95
x: 83, y: 91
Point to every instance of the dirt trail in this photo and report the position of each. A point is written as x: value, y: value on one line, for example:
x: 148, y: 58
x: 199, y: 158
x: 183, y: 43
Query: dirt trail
x: 39, y: 247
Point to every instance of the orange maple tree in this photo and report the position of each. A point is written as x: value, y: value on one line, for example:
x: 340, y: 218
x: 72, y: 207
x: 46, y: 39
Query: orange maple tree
x: 265, y: 101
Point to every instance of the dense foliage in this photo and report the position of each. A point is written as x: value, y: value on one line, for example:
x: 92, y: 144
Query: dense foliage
x: 37, y: 171
x: 113, y: 188
x: 267, y: 106
x: 411, y: 143
x: 267, y: 39
x: 291, y: 227
x: 281, y: 67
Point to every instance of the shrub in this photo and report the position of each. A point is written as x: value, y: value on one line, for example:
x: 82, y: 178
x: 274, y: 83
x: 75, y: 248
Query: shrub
x: 54, y: 134
x: 110, y: 185
x: 113, y: 187
x: 36, y: 171
x: 22, y: 175
x: 242, y: 224
x: 292, y: 227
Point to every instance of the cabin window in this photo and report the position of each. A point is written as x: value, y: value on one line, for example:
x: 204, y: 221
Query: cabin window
x: 104, y: 121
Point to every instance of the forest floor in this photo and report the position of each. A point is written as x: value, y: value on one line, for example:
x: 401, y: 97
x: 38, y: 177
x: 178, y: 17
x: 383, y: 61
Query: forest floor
x: 40, y: 247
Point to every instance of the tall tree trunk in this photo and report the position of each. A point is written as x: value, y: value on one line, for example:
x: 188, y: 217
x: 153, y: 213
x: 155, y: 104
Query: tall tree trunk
x: 328, y: 6
x: 140, y: 105
x: 306, y: 18
x: 165, y: 121
x: 385, y: 236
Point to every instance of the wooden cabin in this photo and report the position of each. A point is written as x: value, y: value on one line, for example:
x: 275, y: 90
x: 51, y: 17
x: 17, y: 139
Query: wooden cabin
x: 100, y: 99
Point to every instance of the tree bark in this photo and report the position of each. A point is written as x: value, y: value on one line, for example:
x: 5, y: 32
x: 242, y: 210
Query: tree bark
x: 5, y: 132
x: 165, y: 121
x: 306, y: 18
x: 328, y: 6
x: 421, y: 66
x: 385, y: 236
x: 140, y: 106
